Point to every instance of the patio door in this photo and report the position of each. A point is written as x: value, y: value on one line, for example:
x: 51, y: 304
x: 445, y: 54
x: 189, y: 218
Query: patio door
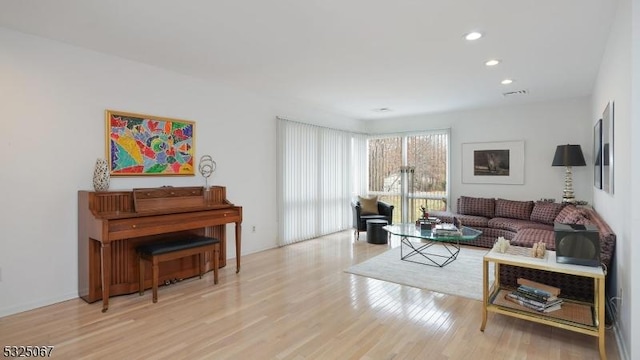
x: 410, y: 171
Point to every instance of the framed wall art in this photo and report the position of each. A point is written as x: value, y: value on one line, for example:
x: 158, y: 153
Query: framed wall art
x: 493, y: 162
x: 607, y: 148
x: 140, y: 144
x: 597, y: 155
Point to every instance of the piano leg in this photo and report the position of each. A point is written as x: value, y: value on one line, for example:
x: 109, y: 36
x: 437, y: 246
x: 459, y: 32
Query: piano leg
x: 105, y: 253
x: 238, y: 234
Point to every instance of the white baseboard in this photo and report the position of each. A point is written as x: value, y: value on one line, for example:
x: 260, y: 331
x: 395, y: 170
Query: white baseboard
x: 11, y: 310
x: 622, y: 346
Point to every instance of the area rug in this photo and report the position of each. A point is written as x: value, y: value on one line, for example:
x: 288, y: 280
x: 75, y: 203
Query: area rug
x: 462, y: 277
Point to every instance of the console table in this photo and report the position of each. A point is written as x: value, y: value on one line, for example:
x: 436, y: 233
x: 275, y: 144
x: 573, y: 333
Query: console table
x: 583, y: 317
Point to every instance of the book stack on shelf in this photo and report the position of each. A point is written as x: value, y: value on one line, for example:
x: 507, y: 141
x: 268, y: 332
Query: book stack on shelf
x: 536, y: 296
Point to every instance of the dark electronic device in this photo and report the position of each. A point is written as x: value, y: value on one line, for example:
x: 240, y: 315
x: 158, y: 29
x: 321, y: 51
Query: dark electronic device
x: 577, y: 244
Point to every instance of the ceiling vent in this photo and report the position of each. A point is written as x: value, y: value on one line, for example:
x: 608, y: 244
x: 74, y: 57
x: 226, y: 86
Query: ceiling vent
x: 515, y: 93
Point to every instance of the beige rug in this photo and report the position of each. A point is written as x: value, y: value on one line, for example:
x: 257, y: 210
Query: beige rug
x: 462, y: 277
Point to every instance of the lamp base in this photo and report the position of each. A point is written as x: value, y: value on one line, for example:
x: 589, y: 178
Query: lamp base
x: 567, y: 196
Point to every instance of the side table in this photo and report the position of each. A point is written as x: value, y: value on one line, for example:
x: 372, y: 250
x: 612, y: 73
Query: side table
x: 375, y: 232
x: 583, y: 317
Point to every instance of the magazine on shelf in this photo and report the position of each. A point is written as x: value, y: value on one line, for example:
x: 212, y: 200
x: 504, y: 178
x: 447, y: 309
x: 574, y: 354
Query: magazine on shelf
x: 536, y: 294
x: 534, y: 301
x: 533, y: 305
x: 543, y: 287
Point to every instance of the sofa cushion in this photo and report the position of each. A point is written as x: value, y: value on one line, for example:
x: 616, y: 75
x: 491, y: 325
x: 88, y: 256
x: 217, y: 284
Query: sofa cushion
x: 604, y: 228
x: 473, y: 221
x: 476, y: 206
x: 513, y: 209
x: 466, y: 220
x: 517, y: 224
x: 368, y: 206
x: 488, y: 237
x: 444, y: 216
x: 580, y: 219
x: 571, y: 214
x: 607, y: 236
x: 527, y: 237
x: 546, y: 212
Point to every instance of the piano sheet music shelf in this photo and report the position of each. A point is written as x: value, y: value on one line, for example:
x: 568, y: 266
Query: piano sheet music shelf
x: 112, y: 223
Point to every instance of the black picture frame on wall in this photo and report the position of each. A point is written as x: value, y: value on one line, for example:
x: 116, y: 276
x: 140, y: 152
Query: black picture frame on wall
x: 597, y: 154
x: 608, y: 125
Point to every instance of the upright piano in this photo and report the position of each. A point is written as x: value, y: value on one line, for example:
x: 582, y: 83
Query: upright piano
x: 111, y: 224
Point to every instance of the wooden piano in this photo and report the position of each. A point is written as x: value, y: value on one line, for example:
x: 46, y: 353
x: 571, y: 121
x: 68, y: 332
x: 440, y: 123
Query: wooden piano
x: 112, y: 223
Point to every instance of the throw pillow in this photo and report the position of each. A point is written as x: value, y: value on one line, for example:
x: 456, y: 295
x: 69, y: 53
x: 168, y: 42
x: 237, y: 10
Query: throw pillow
x: 368, y: 206
x: 546, y: 212
x: 476, y: 206
x: 581, y: 220
x: 569, y: 214
x: 514, y: 209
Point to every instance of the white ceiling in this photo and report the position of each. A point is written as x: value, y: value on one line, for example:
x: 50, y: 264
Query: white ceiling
x: 349, y: 57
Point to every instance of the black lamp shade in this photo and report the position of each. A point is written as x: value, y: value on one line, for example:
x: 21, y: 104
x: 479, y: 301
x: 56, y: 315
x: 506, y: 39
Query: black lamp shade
x: 568, y: 155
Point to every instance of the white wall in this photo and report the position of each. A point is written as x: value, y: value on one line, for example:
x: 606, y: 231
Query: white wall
x: 542, y: 126
x: 634, y: 270
x: 53, y: 98
x: 614, y: 84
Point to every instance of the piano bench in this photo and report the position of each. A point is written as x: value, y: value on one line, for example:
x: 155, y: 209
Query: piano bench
x: 155, y: 253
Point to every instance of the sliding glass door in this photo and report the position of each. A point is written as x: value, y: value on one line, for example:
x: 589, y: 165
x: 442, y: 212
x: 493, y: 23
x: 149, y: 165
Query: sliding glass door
x: 410, y: 171
x: 428, y: 155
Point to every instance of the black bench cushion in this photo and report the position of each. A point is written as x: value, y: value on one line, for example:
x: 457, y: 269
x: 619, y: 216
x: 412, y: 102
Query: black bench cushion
x: 175, y: 245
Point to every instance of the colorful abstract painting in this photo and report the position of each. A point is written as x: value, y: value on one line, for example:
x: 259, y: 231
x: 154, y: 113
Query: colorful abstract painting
x: 149, y: 145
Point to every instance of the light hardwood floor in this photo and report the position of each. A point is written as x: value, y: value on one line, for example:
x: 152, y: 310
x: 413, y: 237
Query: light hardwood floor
x: 294, y: 302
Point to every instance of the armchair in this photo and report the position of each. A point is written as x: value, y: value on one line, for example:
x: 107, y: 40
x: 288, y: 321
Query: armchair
x: 385, y: 212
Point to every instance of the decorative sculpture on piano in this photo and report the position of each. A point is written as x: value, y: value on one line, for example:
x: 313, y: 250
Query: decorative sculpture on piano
x: 206, y: 167
x: 101, y: 175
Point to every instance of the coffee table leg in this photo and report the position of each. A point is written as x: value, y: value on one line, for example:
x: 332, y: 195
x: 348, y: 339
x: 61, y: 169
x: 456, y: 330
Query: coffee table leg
x: 431, y: 258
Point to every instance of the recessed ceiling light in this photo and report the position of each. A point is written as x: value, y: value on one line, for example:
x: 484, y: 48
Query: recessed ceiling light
x: 473, y: 36
x: 384, y: 109
x: 506, y: 81
x: 492, y: 62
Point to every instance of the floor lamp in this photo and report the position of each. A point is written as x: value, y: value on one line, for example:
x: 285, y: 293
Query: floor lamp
x: 568, y: 156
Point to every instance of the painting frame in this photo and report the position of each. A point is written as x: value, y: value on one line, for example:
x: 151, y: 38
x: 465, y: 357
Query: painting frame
x: 509, y: 171
x: 597, y: 154
x: 608, y: 125
x: 148, y: 145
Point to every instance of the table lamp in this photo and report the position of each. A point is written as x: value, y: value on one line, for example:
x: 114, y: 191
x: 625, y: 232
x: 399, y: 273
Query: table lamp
x: 568, y: 156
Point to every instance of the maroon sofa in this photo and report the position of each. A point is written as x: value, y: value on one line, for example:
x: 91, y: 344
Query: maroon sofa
x: 525, y: 223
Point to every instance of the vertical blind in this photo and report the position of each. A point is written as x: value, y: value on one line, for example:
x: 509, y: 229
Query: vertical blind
x: 359, y: 164
x: 316, y: 180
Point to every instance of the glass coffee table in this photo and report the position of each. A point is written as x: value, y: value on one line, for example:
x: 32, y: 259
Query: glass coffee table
x: 416, y: 243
